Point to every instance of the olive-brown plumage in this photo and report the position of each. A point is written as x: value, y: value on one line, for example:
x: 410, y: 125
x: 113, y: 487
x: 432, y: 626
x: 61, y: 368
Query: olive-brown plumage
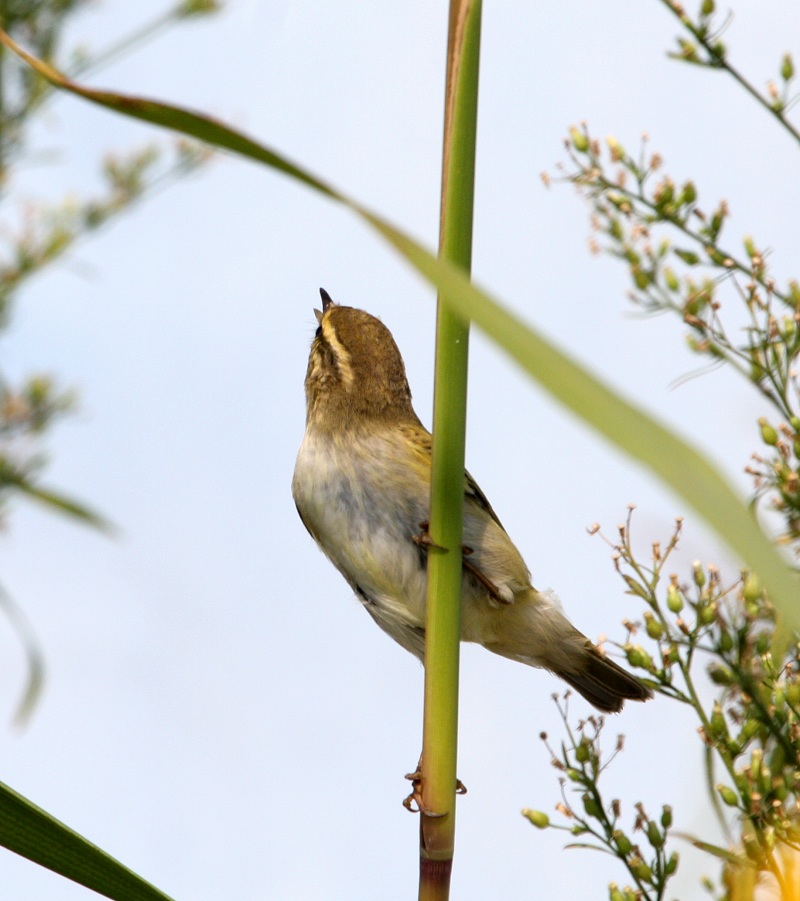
x: 362, y: 488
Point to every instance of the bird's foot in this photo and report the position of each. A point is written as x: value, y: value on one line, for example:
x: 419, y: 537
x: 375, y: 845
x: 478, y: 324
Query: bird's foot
x: 413, y: 803
x: 424, y: 540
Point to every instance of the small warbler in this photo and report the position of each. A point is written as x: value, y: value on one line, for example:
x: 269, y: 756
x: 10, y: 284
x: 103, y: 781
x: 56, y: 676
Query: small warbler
x: 362, y: 487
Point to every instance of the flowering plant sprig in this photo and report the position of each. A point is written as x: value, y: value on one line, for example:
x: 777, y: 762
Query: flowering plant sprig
x: 600, y: 825
x: 695, y: 634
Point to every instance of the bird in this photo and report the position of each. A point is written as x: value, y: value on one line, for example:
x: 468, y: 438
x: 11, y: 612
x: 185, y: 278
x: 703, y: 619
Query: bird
x: 361, y: 485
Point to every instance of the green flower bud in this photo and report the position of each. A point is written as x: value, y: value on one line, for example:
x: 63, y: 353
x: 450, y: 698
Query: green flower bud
x: 671, y: 279
x: 719, y: 727
x: 725, y: 641
x: 699, y: 575
x: 688, y: 256
x: 707, y: 8
x: 591, y: 806
x: 622, y: 841
x: 720, y: 675
x: 708, y: 614
x: 728, y: 795
x: 768, y: 434
x: 794, y: 422
x: 640, y: 278
x: 579, y: 139
x: 751, y: 847
x: 749, y: 730
x: 752, y: 588
x: 637, y: 656
x: 574, y: 775
x: 756, y: 759
x: 654, y: 834
x: 583, y: 751
x: 672, y: 654
x: 672, y: 864
x: 666, y: 816
x: 641, y: 870
x: 198, y: 7
x: 674, y: 599
x: 617, y: 150
x: 614, y: 894
x: 777, y: 759
x: 539, y: 819
x: 689, y: 193
x: 787, y: 67
x: 653, y: 626
x: 664, y: 193
x: 688, y: 50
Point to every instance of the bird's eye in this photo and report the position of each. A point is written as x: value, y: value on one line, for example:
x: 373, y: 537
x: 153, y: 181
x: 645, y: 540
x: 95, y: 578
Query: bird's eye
x: 318, y: 333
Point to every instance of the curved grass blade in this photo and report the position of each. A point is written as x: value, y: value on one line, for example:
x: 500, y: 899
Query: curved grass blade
x: 33, y: 656
x: 32, y: 833
x: 64, y: 504
x: 630, y: 428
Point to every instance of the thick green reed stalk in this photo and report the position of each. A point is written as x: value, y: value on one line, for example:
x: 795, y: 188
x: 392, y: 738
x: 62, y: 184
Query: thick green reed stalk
x: 443, y: 626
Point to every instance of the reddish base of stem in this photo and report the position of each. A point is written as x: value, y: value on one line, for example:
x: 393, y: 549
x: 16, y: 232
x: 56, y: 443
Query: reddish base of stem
x: 434, y: 878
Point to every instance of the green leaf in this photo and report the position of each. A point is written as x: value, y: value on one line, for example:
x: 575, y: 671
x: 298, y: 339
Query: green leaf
x: 688, y: 256
x: 63, y: 504
x: 31, y: 832
x: 628, y: 427
x: 33, y: 654
x: 722, y: 853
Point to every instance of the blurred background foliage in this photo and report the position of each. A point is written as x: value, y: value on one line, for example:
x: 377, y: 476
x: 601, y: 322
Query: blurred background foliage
x: 36, y: 232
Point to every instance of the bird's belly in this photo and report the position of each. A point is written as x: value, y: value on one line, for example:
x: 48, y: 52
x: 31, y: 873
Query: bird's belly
x: 343, y: 502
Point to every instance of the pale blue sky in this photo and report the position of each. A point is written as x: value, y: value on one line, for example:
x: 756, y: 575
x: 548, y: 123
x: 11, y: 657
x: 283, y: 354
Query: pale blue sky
x: 219, y: 713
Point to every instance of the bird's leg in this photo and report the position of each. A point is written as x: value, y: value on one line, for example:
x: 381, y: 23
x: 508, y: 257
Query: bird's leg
x: 494, y: 593
x: 424, y: 541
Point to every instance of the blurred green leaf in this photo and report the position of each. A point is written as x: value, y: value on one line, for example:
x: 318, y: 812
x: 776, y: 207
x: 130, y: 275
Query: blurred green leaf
x: 33, y: 655
x: 64, y: 504
x: 722, y: 853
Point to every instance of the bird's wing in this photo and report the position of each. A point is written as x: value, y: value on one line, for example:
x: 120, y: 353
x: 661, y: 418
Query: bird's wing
x: 489, y: 554
x: 421, y: 440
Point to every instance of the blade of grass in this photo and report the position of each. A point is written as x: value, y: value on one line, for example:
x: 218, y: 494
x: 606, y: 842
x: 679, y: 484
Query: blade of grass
x: 443, y: 617
x: 64, y: 505
x: 33, y: 655
x: 31, y: 832
x: 631, y: 429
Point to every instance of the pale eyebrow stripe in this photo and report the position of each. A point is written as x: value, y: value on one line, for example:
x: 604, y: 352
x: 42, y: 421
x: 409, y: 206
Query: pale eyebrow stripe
x: 339, y: 351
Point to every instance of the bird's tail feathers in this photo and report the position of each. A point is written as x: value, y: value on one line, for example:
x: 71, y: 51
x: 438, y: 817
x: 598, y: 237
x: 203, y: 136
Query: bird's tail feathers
x: 603, y: 683
x: 533, y: 630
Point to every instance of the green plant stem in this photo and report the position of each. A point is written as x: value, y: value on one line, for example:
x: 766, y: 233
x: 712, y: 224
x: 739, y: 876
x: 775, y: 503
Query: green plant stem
x: 443, y: 619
